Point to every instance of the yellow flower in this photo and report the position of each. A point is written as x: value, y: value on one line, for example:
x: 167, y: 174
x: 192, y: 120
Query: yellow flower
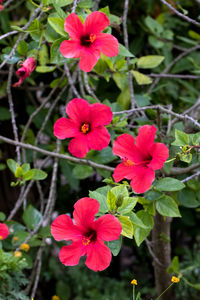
x: 134, y: 281
x: 15, y: 238
x: 24, y: 247
x: 175, y: 279
x: 17, y: 254
x: 55, y: 297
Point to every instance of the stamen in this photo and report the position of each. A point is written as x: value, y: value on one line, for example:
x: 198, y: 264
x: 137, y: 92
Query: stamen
x: 1, y: 238
x: 85, y: 241
x: 85, y: 128
x: 92, y: 37
x: 129, y: 163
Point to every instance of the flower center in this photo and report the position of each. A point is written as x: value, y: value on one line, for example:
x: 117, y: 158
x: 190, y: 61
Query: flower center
x: 21, y: 72
x: 85, y: 127
x: 87, y: 40
x: 129, y: 163
x: 1, y: 238
x: 89, y: 237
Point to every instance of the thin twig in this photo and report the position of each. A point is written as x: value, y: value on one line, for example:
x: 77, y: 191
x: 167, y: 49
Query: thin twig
x: 96, y: 5
x: 70, y: 80
x: 188, y: 19
x: 130, y: 76
x: 174, y: 76
x: 38, y: 270
x: 54, y: 154
x: 180, y: 171
x: 192, y: 176
x: 11, y: 108
x: 74, y: 5
x: 156, y: 260
x: 88, y: 88
x: 165, y: 110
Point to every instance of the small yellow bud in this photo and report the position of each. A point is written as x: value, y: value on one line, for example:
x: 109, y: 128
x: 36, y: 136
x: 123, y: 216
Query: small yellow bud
x: 17, y: 254
x: 1, y: 238
x: 175, y: 279
x: 24, y: 247
x: 134, y: 281
x: 55, y: 297
x: 15, y: 238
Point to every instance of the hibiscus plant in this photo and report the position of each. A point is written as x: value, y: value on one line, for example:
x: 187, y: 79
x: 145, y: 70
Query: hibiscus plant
x: 104, y: 153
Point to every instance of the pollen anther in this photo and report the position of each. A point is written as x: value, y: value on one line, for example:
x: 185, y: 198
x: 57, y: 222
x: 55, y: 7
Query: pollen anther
x: 92, y: 37
x: 85, y: 128
x: 85, y: 241
x: 128, y: 163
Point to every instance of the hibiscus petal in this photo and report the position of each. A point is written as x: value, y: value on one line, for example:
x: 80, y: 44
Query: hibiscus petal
x: 107, y: 44
x: 145, y: 139
x: 70, y: 255
x: 108, y: 228
x: 125, y: 148
x: 79, y: 146
x: 89, y: 59
x: 70, y: 49
x: 98, y: 257
x: 85, y: 210
x: 78, y: 110
x: 98, y: 138
x: 65, y: 128
x: 123, y: 171
x: 4, y: 231
x: 160, y: 154
x: 100, y: 114
x: 63, y: 228
x: 73, y: 26
x: 96, y: 22
x: 142, y: 179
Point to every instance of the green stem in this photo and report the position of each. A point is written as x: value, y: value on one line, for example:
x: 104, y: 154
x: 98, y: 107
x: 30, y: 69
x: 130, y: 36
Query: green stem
x: 133, y: 292
x: 165, y: 291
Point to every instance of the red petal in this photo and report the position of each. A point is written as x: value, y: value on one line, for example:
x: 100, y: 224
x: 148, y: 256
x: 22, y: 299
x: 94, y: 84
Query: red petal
x: 145, y: 139
x: 125, y: 148
x: 4, y: 231
x: 70, y: 255
x: 89, y: 59
x: 78, y: 110
x: 122, y: 171
x: 98, y: 257
x: 160, y: 154
x: 108, y: 228
x: 65, y: 128
x: 100, y: 114
x: 85, y: 210
x: 79, y: 146
x: 107, y: 44
x: 70, y: 49
x: 142, y: 179
x: 63, y: 228
x: 98, y: 138
x: 74, y: 26
x: 96, y: 22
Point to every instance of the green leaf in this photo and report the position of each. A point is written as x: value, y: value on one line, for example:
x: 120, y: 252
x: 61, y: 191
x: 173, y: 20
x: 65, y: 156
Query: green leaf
x: 56, y: 56
x: 127, y: 205
x: 196, y: 139
x: 127, y: 226
x: 59, y: 11
x: 43, y: 55
x: 101, y: 196
x: 85, y: 4
x: 136, y: 220
x: 18, y: 172
x: 22, y: 48
x: 2, y: 216
x: 25, y: 168
x: 45, y: 69
x: 35, y: 174
x: 181, y: 138
x: 57, y: 24
x: 4, y: 114
x: 115, y: 246
x: 120, y: 190
x: 140, y: 234
x: 2, y: 167
x: 111, y: 200
x: 31, y: 217
x: 12, y: 165
x: 82, y: 172
x: 149, y: 61
x: 194, y: 285
x: 141, y: 78
x: 169, y: 184
x: 174, y: 267
x: 61, y: 2
x: 187, y: 198
x: 186, y: 157
x: 166, y: 206
x: 154, y: 26
x: 124, y: 52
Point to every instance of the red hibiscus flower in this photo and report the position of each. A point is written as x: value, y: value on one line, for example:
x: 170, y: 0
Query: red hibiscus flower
x: 86, y: 126
x: 141, y: 157
x: 87, y: 235
x: 27, y: 67
x: 87, y: 40
x: 1, y: 6
x: 4, y: 231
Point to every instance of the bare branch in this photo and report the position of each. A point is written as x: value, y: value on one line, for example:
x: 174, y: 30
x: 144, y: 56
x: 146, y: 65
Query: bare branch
x: 197, y: 174
x: 188, y: 19
x: 174, y: 76
x: 88, y: 88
